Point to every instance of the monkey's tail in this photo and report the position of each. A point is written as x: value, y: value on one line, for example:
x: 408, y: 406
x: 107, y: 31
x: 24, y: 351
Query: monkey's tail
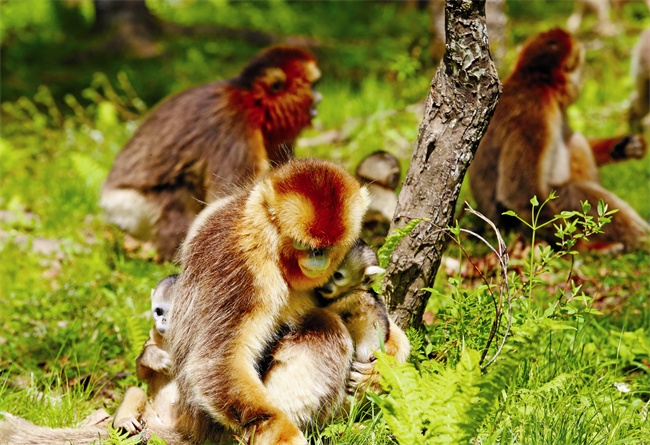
x: 17, y: 431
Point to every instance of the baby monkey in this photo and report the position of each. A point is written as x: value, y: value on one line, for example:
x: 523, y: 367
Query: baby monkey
x: 349, y: 293
x: 153, y: 366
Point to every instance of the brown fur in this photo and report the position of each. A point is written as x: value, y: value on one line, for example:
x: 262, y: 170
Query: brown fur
x: 640, y: 102
x: 243, y: 283
x: 530, y: 150
x: 200, y: 144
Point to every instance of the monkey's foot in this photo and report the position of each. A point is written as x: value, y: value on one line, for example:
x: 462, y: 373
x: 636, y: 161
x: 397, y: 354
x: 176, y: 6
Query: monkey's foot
x: 362, y: 377
x: 279, y: 432
x: 631, y: 147
x: 128, y: 424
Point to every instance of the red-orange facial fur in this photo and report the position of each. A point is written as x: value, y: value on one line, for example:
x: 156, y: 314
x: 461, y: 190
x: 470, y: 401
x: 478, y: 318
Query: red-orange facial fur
x: 275, y: 91
x: 544, y: 63
x: 320, y: 206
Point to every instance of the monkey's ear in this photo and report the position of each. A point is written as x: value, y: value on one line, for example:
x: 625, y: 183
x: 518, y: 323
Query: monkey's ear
x: 152, y: 292
x: 373, y: 272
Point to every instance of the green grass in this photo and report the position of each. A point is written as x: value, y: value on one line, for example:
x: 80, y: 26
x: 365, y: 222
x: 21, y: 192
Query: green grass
x: 75, y: 305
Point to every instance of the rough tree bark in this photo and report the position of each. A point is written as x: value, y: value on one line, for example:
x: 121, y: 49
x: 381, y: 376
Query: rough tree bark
x: 462, y: 98
x: 497, y: 25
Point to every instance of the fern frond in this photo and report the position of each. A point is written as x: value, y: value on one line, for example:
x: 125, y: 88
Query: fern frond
x: 445, y: 407
x: 89, y: 170
x: 393, y: 239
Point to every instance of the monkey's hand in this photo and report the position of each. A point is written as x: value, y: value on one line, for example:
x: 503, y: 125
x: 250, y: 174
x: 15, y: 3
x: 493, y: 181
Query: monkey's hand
x: 129, y: 424
x: 157, y: 359
x: 630, y: 147
x: 362, y: 377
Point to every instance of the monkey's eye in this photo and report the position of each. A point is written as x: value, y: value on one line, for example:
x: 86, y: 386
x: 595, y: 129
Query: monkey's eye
x: 276, y: 86
x: 300, y: 246
x: 340, y: 277
x: 158, y: 311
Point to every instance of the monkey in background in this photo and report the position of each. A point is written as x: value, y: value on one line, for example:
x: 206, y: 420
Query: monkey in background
x: 640, y: 69
x: 202, y: 143
x: 529, y: 148
x: 380, y: 172
x: 250, y: 268
x: 153, y: 367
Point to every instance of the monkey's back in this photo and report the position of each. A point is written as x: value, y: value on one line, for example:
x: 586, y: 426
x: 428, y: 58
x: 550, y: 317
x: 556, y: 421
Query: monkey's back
x: 507, y: 169
x: 193, y: 139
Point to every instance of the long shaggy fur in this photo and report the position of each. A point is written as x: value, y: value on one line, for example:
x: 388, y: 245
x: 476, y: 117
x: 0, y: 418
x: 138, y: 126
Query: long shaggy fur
x: 530, y: 150
x: 241, y: 285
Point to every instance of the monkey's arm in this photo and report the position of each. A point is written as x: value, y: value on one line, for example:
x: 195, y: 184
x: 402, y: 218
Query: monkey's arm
x: 129, y: 414
x: 618, y: 149
x: 152, y: 359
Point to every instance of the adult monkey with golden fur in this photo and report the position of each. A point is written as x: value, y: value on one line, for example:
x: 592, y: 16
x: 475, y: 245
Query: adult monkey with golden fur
x: 250, y: 267
x: 530, y: 150
x: 200, y: 144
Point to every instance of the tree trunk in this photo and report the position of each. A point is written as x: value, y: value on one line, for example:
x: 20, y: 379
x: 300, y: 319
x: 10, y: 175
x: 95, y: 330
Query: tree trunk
x: 462, y: 98
x: 497, y: 24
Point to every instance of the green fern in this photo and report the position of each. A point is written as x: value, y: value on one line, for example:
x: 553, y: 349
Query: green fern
x: 393, y: 239
x: 137, y: 332
x: 443, y: 407
x: 134, y: 330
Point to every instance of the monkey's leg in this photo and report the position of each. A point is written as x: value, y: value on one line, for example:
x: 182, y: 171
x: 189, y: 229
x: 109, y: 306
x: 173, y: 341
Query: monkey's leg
x: 398, y: 344
x: 129, y: 414
x: 363, y: 376
x: 309, y: 369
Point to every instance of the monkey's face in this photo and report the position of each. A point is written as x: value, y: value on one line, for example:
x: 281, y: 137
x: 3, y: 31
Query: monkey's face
x: 573, y: 66
x: 160, y: 313
x: 358, y: 270
x: 346, y: 277
x: 306, y: 266
x: 281, y: 96
x: 317, y: 208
